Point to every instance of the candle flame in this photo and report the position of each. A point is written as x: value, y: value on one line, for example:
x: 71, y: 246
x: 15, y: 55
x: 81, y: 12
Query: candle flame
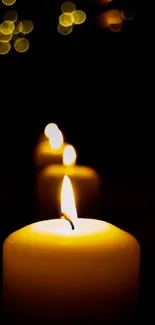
x: 50, y: 130
x: 56, y: 140
x: 69, y: 155
x: 67, y: 200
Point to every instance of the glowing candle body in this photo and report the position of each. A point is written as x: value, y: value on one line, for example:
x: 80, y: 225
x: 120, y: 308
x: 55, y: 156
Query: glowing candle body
x: 44, y: 155
x: 86, y: 184
x: 51, y: 272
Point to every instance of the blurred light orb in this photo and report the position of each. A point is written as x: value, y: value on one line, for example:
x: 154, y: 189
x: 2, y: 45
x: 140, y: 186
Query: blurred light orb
x: 5, y: 38
x: 18, y: 28
x: 64, y: 30
x: 8, y: 2
x: 128, y: 14
x: 21, y: 45
x: 111, y: 19
x: 79, y: 17
x: 69, y: 155
x: 11, y: 15
x: 103, y: 2
x: 7, y: 27
x: 50, y: 130
x: 4, y: 48
x: 56, y: 140
x: 27, y: 26
x: 66, y: 19
x: 68, y: 7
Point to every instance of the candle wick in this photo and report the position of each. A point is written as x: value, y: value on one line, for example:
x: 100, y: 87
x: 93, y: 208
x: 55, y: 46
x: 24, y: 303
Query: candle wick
x: 65, y: 216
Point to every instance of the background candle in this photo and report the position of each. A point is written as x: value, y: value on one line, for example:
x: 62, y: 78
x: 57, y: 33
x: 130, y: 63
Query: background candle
x: 50, y: 148
x: 53, y: 273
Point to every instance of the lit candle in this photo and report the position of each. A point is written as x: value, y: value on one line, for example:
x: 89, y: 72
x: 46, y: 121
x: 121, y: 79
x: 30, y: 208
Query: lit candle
x: 86, y: 184
x: 50, y: 148
x: 58, y: 272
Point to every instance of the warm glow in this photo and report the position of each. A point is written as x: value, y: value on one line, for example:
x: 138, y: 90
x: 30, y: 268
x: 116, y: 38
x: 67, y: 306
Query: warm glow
x: 69, y: 155
x: 50, y: 130
x: 67, y: 200
x: 64, y: 30
x: 68, y: 7
x: 66, y: 19
x: 79, y: 17
x: 111, y: 19
x: 57, y: 140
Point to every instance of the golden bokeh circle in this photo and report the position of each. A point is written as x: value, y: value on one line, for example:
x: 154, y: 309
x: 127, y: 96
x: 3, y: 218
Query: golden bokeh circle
x: 27, y: 26
x: 128, y: 14
x: 7, y: 27
x: 68, y: 6
x: 64, y: 30
x: 21, y: 45
x: 11, y: 15
x: 8, y: 2
x: 79, y: 17
x: 66, y: 19
x: 111, y: 19
x: 4, y: 48
x: 5, y: 38
x: 18, y: 28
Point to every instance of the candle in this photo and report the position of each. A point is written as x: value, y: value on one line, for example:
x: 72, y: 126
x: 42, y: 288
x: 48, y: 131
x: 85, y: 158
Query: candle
x: 59, y: 273
x: 86, y: 183
x: 50, y: 148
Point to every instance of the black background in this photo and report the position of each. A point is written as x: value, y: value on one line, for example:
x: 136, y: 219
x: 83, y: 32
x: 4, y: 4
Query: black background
x: 92, y: 84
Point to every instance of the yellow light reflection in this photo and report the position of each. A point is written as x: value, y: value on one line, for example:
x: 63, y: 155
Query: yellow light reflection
x: 64, y: 30
x: 66, y: 19
x: 7, y: 27
x: 68, y: 7
x: 27, y: 26
x: 5, y: 38
x: 8, y: 2
x: 50, y: 130
x: 11, y: 15
x: 79, y: 17
x: 56, y: 140
x: 69, y: 155
x: 67, y: 200
x: 18, y: 27
x: 4, y: 48
x: 21, y: 45
x: 111, y: 19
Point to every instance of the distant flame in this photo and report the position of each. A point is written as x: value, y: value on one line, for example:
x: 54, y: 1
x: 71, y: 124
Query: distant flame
x: 56, y: 140
x: 50, y: 130
x: 67, y: 200
x: 69, y: 155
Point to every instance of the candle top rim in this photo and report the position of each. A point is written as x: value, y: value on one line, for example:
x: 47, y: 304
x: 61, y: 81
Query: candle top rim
x: 38, y: 233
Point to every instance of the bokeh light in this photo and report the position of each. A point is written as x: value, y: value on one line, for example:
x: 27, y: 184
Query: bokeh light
x: 56, y: 140
x: 4, y: 48
x: 68, y: 7
x: 128, y: 14
x: 64, y: 30
x: 18, y: 27
x: 8, y: 2
x: 7, y: 27
x: 69, y: 155
x: 50, y: 130
x: 21, y: 45
x: 5, y: 38
x: 111, y: 19
x: 103, y: 2
x: 79, y: 17
x: 11, y: 15
x: 66, y: 19
x: 27, y: 26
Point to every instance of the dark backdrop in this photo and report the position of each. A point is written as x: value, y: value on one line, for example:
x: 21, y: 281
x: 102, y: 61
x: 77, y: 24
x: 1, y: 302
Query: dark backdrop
x: 93, y: 85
